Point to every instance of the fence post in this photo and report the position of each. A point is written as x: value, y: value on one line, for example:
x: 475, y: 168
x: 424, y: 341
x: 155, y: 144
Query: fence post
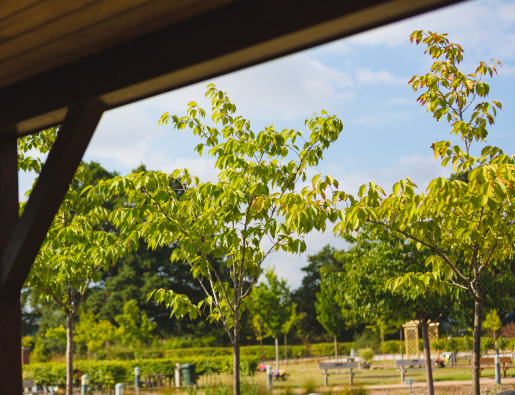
x: 84, y: 384
x: 118, y: 389
x: 137, y: 372
x: 177, y: 375
x: 269, y: 377
x: 497, y: 359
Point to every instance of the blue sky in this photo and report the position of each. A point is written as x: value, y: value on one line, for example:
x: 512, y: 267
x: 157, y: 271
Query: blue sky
x: 363, y: 79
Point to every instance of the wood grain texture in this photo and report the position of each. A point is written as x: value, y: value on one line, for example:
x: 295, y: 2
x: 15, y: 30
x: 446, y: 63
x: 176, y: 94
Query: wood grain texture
x: 10, y: 8
x: 56, y: 32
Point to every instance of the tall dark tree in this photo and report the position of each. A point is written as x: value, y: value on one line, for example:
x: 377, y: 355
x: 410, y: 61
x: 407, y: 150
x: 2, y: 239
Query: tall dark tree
x: 306, y: 294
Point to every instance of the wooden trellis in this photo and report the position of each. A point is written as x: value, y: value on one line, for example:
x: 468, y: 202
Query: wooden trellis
x: 412, y: 339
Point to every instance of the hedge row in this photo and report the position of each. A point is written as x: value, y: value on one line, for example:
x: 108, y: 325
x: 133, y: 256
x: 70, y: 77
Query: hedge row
x: 317, y: 350
x: 107, y: 373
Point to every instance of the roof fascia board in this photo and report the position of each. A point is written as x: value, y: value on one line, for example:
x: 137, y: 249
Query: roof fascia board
x: 238, y: 35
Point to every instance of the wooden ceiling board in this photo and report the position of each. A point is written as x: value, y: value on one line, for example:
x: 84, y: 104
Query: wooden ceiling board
x: 62, y: 33
x: 94, y: 27
x: 10, y: 8
x: 32, y: 18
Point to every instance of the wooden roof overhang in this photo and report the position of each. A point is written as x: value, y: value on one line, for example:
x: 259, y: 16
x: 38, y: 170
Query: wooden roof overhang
x: 66, y: 62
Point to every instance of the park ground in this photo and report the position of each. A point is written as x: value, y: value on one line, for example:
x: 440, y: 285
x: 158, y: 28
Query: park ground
x: 383, y: 378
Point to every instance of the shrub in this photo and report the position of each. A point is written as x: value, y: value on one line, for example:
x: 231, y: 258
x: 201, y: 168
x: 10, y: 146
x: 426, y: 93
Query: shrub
x: 467, y: 344
x: 390, y: 347
x: 454, y: 344
x: 107, y: 373
x: 487, y: 343
x: 366, y: 354
x: 503, y: 343
x: 439, y: 344
x: 309, y: 386
x: 325, y: 349
x: 366, y: 339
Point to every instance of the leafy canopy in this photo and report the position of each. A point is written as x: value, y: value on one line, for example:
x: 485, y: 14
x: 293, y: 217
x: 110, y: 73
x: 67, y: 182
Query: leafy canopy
x: 459, y: 221
x: 272, y: 298
x: 255, y: 197
x: 77, y: 247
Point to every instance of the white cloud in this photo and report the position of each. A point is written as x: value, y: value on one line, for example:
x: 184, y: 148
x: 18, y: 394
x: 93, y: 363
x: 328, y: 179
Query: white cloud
x: 368, y: 76
x: 398, y: 100
x: 203, y: 168
x: 284, y: 89
x: 486, y: 27
x: 421, y: 170
x: 379, y: 119
x: 281, y: 91
x: 124, y: 135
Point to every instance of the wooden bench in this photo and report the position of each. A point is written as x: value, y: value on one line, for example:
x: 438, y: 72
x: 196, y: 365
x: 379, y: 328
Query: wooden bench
x: 156, y: 380
x: 410, y: 362
x: 491, y: 361
x: 27, y: 386
x: 342, y: 365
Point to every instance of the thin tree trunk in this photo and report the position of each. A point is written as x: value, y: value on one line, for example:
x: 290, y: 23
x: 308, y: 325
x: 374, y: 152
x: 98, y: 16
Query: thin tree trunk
x: 261, y: 342
x: 286, y: 348
x: 69, y: 355
x: 277, y: 353
x: 427, y: 356
x: 236, y: 356
x: 335, y: 349
x: 477, y: 347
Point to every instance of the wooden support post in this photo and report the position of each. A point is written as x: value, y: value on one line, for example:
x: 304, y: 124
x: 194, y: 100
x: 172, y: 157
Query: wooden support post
x: 47, y: 195
x: 10, y: 309
x: 326, y: 378
x: 351, y: 375
x: 20, y: 239
x: 402, y: 374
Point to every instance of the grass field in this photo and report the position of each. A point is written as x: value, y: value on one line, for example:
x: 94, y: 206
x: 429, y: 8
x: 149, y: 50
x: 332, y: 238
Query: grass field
x: 300, y: 375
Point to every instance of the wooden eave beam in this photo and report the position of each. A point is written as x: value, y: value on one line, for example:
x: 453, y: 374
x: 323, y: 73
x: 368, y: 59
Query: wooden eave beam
x: 57, y: 174
x: 228, y: 38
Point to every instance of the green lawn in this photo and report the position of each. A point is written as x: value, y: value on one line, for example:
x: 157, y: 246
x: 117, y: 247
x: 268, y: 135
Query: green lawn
x: 300, y: 375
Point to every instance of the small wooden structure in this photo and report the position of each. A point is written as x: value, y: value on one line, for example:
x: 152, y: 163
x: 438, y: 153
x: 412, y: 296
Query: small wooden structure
x: 340, y: 365
x: 411, y: 337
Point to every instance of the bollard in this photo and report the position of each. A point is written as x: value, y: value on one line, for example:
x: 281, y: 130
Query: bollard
x: 177, y: 375
x: 409, y: 382
x: 497, y: 359
x: 137, y: 372
x: 84, y: 384
x: 269, y: 377
x: 118, y: 389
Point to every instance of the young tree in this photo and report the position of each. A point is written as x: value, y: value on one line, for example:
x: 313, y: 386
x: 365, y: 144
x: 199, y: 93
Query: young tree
x: 76, y: 248
x: 360, y: 288
x: 135, y: 327
x: 305, y: 295
x: 273, y: 297
x: 463, y: 224
x: 92, y: 332
x: 329, y: 312
x: 254, y: 199
x: 292, y: 322
x: 492, y: 322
